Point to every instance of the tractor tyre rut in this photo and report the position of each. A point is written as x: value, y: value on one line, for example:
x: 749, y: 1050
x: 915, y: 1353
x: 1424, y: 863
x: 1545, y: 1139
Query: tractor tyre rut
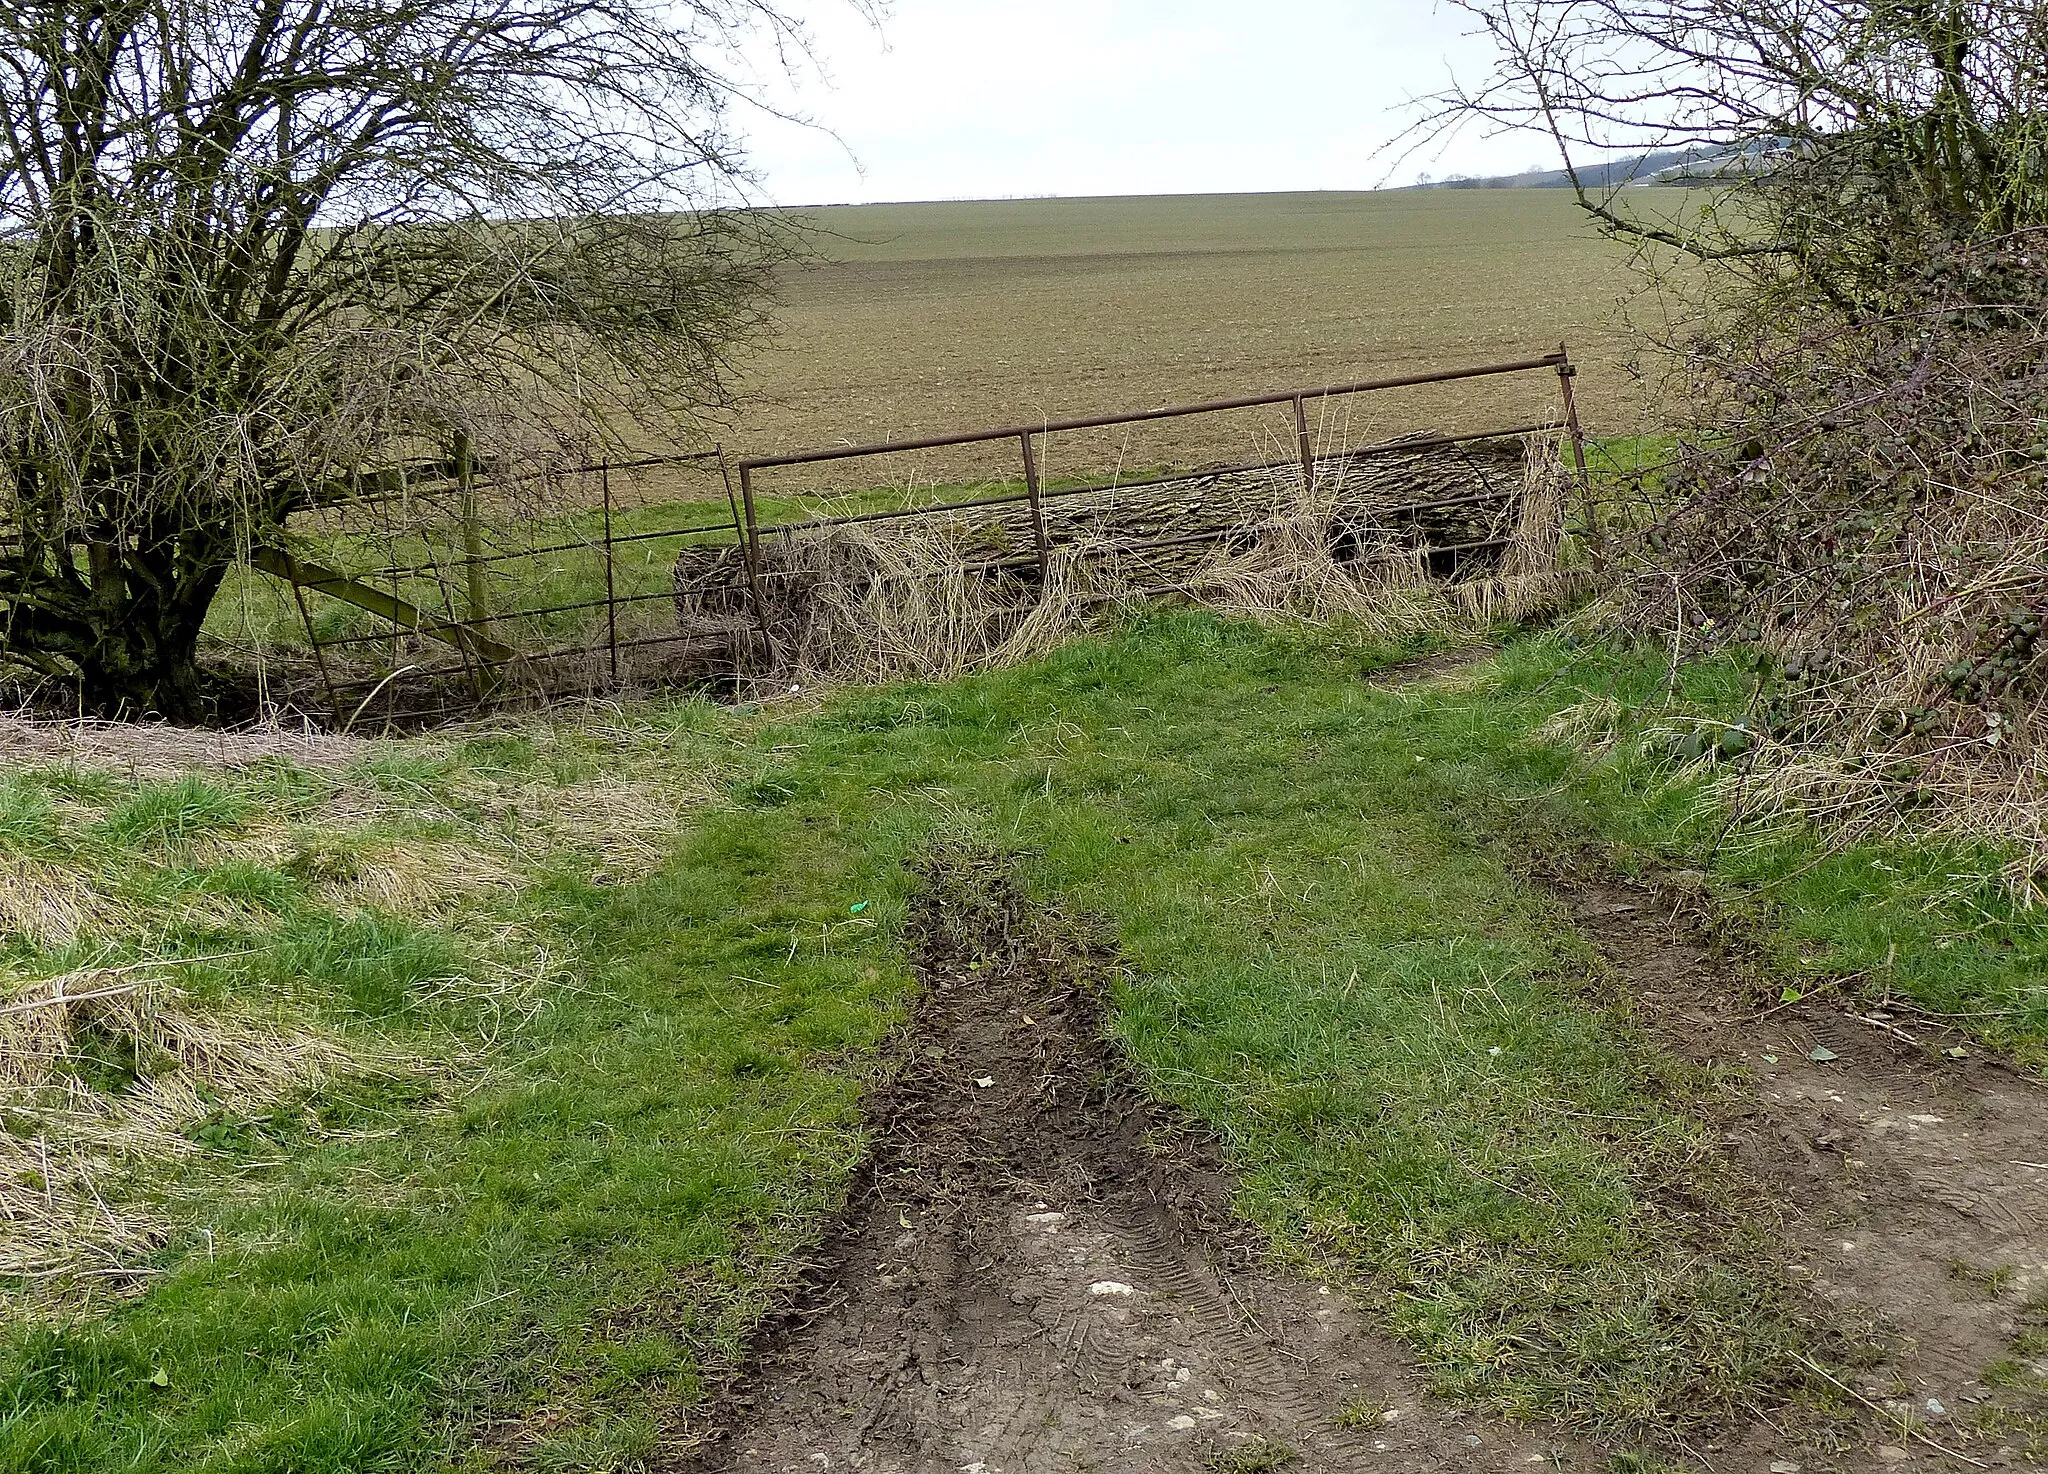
x: 1039, y: 1271
x: 1909, y: 1166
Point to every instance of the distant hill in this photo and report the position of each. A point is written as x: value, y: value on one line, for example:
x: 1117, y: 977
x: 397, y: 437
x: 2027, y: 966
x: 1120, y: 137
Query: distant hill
x: 1674, y: 166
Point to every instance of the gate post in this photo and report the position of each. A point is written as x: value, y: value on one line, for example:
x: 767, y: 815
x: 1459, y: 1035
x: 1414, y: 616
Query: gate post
x: 1037, y: 510
x: 611, y: 590
x: 1307, y: 450
x: 1566, y: 372
x: 753, y: 542
x: 477, y: 596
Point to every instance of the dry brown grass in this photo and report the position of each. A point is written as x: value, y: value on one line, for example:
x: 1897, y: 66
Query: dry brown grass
x: 54, y: 904
x: 920, y: 599
x: 1289, y: 573
x: 156, y: 750
x: 70, y: 1228
x: 406, y: 875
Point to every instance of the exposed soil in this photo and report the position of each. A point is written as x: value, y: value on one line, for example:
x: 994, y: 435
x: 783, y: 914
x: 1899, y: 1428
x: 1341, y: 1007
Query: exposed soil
x: 1420, y: 670
x: 1038, y: 1270
x: 933, y: 318
x: 1916, y: 1180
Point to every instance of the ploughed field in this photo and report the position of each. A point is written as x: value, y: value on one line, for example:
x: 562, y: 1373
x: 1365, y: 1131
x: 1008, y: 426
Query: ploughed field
x: 923, y: 319
x: 926, y: 318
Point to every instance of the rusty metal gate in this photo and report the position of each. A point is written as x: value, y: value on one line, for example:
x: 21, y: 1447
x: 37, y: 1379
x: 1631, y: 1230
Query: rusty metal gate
x: 584, y: 602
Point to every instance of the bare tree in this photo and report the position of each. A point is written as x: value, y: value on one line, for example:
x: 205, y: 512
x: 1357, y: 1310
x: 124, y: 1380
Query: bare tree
x: 1832, y: 139
x: 250, y: 246
x: 1856, y: 495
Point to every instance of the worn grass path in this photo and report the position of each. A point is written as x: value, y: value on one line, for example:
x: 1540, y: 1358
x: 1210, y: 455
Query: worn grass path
x: 1333, y: 964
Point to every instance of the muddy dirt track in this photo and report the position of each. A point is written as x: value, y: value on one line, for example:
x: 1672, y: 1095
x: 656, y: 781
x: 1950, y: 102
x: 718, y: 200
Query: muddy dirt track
x: 1037, y: 1270
x: 1916, y: 1182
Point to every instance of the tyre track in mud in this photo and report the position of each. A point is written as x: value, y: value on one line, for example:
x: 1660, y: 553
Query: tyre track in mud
x: 1905, y: 1176
x: 1038, y: 1269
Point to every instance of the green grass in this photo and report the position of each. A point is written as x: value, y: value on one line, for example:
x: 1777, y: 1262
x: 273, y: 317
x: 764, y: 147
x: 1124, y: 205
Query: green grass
x: 256, y: 611
x: 564, y: 1225
x: 2017, y: 1416
x: 1340, y: 976
x: 678, y: 1122
x: 1927, y: 921
x: 172, y: 813
x: 572, y: 1219
x: 1260, y: 1457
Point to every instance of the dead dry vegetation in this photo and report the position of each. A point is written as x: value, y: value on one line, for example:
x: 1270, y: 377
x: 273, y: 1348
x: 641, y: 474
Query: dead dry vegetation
x: 1852, y: 499
x: 934, y: 598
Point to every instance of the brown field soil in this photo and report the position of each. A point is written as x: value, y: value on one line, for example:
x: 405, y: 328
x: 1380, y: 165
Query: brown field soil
x: 923, y: 319
x: 929, y: 318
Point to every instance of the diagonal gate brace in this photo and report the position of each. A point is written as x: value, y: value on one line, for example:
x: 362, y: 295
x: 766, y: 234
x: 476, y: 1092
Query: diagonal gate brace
x: 280, y: 564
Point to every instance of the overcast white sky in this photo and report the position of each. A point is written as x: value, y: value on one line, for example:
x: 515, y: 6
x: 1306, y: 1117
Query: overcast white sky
x: 977, y: 99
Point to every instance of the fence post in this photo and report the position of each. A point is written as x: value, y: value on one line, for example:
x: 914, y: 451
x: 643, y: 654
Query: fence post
x: 476, y: 592
x: 472, y: 531
x: 753, y: 540
x: 1037, y: 509
x: 1566, y: 372
x: 746, y: 545
x: 1306, y: 449
x: 611, y: 591
x: 397, y: 587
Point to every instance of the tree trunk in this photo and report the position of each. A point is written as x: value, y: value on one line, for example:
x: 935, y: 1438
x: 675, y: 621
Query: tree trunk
x: 142, y: 656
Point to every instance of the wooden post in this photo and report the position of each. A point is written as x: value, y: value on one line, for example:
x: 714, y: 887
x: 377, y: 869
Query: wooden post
x: 472, y: 534
x: 753, y: 541
x: 397, y: 586
x: 1307, y: 450
x: 1566, y: 372
x: 477, y: 614
x: 611, y: 589
x: 1037, y: 510
x: 403, y: 616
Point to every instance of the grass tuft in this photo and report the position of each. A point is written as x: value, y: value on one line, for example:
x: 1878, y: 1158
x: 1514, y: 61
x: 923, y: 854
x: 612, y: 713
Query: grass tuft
x: 178, y: 812
x: 1262, y: 1456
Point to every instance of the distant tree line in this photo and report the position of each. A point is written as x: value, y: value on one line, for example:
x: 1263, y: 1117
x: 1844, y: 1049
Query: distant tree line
x: 1670, y: 167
